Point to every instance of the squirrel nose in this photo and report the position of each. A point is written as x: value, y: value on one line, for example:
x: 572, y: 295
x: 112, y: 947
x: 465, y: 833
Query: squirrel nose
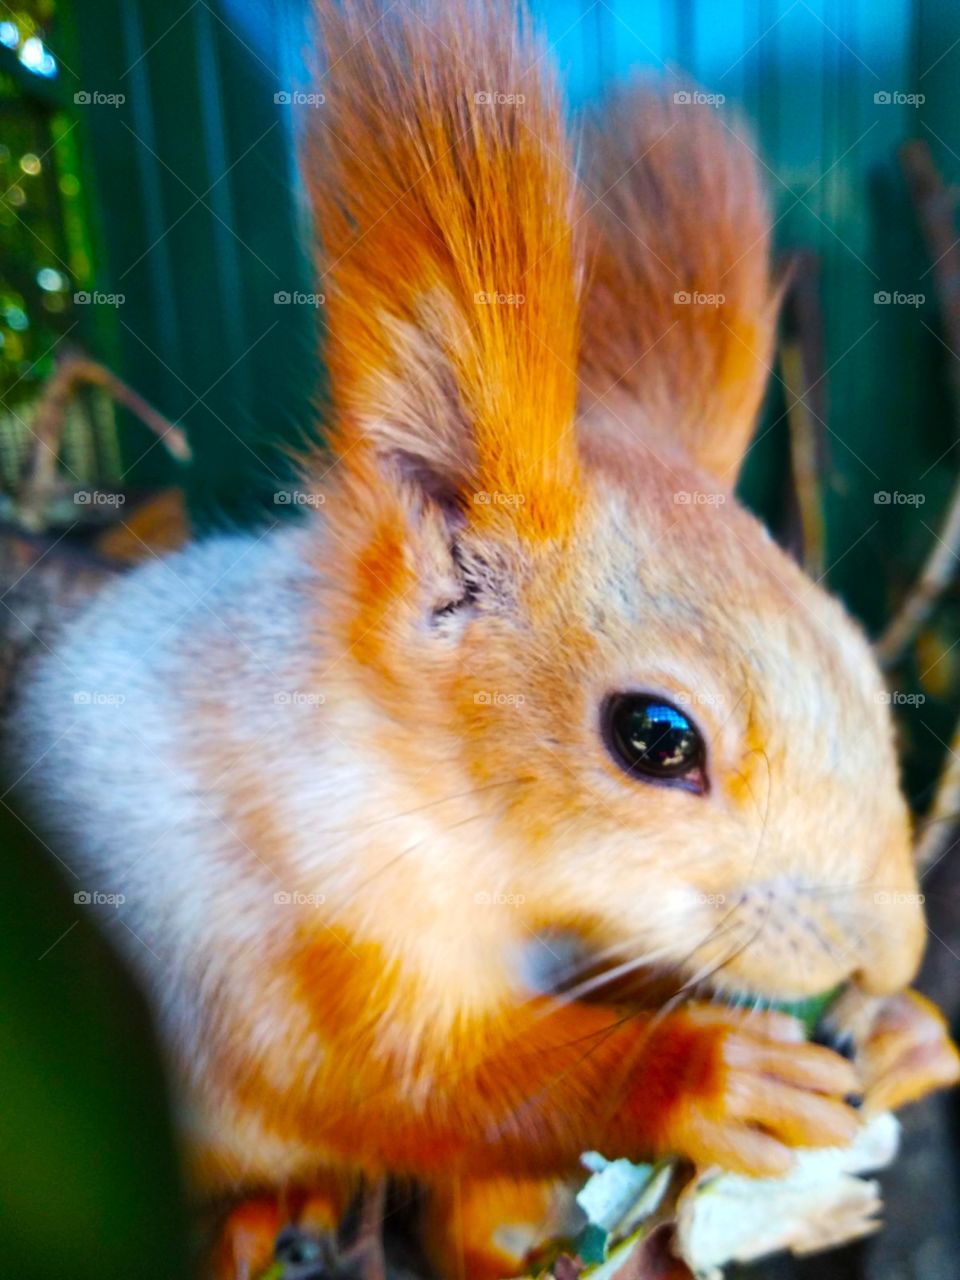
x: 892, y: 950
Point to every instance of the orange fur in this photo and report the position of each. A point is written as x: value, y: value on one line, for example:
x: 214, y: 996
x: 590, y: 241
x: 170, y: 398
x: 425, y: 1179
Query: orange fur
x: 677, y: 209
x: 485, y: 1227
x: 425, y: 200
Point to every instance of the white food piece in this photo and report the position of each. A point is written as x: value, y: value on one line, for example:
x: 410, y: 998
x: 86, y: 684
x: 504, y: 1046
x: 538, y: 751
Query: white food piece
x: 821, y: 1203
x: 610, y: 1196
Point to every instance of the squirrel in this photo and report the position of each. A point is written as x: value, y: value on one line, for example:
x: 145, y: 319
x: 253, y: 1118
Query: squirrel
x: 408, y: 800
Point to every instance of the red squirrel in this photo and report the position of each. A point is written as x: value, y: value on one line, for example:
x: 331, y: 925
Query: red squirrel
x: 526, y: 706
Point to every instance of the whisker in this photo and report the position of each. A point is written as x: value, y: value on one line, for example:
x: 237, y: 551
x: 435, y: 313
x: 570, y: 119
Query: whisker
x: 600, y: 980
x: 707, y: 973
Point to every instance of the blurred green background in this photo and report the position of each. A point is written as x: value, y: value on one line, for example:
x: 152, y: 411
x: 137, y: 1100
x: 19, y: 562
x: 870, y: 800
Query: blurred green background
x: 150, y: 215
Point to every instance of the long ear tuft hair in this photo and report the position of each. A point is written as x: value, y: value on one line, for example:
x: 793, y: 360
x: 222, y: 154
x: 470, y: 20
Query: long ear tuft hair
x: 442, y: 184
x: 680, y: 312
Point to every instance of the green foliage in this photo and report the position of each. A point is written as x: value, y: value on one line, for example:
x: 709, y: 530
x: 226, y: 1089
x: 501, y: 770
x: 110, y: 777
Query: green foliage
x: 89, y: 1184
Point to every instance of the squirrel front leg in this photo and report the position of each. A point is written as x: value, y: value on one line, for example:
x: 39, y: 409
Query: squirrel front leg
x: 714, y: 1084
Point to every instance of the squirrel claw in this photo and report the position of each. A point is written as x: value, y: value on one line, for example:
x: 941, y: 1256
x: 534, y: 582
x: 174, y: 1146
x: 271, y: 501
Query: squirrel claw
x: 903, y: 1047
x: 741, y: 1090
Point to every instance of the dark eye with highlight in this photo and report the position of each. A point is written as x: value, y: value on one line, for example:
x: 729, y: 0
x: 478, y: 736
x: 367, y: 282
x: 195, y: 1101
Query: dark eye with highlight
x: 653, y: 739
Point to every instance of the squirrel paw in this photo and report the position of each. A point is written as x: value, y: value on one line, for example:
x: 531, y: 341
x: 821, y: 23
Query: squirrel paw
x: 489, y: 1228
x: 265, y: 1230
x: 244, y: 1248
x: 740, y: 1088
x: 903, y: 1049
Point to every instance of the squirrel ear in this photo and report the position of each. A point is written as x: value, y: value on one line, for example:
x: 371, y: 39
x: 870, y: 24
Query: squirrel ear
x: 449, y: 261
x: 680, y: 314
x: 413, y: 416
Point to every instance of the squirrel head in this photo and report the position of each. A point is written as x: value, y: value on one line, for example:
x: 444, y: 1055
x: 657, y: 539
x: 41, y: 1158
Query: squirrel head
x: 677, y: 747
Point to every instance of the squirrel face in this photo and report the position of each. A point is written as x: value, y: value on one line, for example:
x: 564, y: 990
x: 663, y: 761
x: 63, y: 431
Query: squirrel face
x: 772, y: 855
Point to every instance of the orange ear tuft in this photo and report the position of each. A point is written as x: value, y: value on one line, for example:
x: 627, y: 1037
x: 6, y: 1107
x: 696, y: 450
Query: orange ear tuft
x: 444, y: 199
x: 680, y: 314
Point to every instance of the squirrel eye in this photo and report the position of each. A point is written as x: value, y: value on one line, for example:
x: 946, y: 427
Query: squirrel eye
x: 653, y: 739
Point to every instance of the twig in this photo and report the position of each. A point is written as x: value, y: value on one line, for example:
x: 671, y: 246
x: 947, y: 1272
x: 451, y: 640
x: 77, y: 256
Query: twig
x: 801, y: 356
x: 935, y: 205
x: 936, y: 575
x: 39, y: 481
x: 939, y: 826
x: 367, y: 1248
